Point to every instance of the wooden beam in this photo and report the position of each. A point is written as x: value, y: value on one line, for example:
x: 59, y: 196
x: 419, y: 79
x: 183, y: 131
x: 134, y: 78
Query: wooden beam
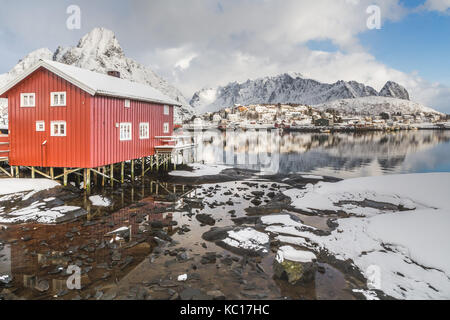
x: 143, y: 166
x: 68, y: 172
x: 52, y: 173
x: 122, y: 172
x: 33, y: 173
x: 111, y: 174
x: 66, y: 176
x: 6, y: 172
x: 37, y: 171
x: 132, y: 170
x: 104, y: 175
x: 88, y: 181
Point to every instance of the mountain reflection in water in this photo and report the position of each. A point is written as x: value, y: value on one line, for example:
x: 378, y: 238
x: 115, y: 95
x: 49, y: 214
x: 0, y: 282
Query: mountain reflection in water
x: 341, y: 155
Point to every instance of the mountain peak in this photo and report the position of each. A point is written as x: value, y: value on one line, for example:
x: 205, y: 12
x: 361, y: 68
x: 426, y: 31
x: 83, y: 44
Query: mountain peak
x: 100, y: 41
x: 394, y: 90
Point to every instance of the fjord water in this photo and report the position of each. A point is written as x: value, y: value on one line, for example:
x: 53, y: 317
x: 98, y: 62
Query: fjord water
x: 342, y: 155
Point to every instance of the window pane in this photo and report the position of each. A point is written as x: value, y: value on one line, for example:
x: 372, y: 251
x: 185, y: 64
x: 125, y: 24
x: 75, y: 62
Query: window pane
x: 25, y: 100
x: 62, y: 99
x: 62, y: 129
x: 31, y: 100
x: 55, y: 129
x: 55, y: 99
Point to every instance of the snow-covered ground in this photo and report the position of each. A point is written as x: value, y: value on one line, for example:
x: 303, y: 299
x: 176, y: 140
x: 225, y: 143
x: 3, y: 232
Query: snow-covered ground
x: 39, y: 211
x: 199, y: 170
x: 411, y: 249
x: 10, y: 186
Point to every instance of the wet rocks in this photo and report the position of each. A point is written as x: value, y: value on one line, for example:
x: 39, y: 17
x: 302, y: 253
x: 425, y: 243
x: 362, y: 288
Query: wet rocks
x: 216, y: 295
x: 209, y: 258
x: 193, y: 294
x: 295, y: 266
x: 205, y: 219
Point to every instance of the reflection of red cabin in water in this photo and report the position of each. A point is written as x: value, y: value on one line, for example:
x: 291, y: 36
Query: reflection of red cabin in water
x: 67, y: 117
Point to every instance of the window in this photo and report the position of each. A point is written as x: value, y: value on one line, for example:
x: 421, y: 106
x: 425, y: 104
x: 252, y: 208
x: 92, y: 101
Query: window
x: 58, y: 99
x: 27, y: 100
x: 144, y: 130
x: 125, y: 132
x: 166, y: 110
x: 40, y: 126
x: 58, y: 129
x: 127, y: 103
x: 166, y: 127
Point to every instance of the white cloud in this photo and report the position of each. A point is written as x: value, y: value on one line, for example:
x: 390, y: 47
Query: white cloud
x: 438, y: 5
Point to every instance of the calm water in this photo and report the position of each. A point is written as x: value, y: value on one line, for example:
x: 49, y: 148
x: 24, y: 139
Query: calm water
x: 341, y: 155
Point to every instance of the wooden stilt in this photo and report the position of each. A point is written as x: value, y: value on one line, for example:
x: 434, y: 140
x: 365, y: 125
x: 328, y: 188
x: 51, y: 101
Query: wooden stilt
x: 111, y: 174
x: 52, y: 173
x: 143, y: 167
x: 122, y: 172
x: 88, y: 181
x: 151, y: 163
x: 157, y: 188
x: 17, y: 172
x: 84, y: 178
x: 12, y: 172
x: 132, y: 170
x: 103, y: 177
x: 65, y: 177
x: 157, y: 162
x: 33, y: 173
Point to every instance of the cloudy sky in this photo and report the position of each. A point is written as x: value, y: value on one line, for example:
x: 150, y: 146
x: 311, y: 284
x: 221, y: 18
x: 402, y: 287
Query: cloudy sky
x: 205, y: 43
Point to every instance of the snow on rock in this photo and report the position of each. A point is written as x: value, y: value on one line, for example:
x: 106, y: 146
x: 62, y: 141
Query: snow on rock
x: 37, y: 212
x: 373, y: 106
x: 284, y: 219
x: 10, y: 186
x: 100, y: 201
x: 291, y: 254
x: 288, y: 88
x: 410, y: 248
x: 248, y: 239
x: 199, y: 170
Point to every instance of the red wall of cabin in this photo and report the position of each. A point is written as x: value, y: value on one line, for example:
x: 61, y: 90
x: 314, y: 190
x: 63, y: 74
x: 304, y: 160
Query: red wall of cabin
x: 106, y: 147
x: 26, y: 147
x: 92, y: 138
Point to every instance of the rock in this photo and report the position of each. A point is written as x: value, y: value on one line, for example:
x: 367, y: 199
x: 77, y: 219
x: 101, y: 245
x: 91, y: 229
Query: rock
x: 258, y: 193
x: 182, y: 256
x: 295, y: 266
x: 209, y: 258
x: 206, y: 219
x: 193, y: 294
x: 216, y: 234
x: 216, y: 295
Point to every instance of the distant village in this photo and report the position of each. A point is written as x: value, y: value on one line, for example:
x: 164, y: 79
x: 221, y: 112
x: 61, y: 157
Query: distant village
x: 301, y: 117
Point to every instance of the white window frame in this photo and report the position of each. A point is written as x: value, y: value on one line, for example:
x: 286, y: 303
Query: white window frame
x: 166, y: 110
x: 166, y: 127
x: 59, y: 94
x: 58, y: 134
x: 146, y: 134
x: 127, y: 103
x: 122, y: 135
x: 38, y: 123
x: 27, y: 95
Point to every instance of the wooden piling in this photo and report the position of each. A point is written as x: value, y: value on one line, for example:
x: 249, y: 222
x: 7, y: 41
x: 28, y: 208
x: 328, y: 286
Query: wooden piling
x: 88, y: 181
x: 122, y: 172
x: 132, y: 170
x: 143, y: 167
x: 52, y: 173
x: 65, y: 177
x: 33, y: 173
x: 111, y: 175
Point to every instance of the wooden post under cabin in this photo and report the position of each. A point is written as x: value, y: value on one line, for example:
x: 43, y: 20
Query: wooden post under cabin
x: 33, y: 174
x: 52, y: 173
x: 103, y: 177
x: 65, y: 177
x: 132, y: 170
x: 143, y: 167
x: 122, y: 172
x: 111, y: 175
x: 88, y: 181
x: 17, y: 172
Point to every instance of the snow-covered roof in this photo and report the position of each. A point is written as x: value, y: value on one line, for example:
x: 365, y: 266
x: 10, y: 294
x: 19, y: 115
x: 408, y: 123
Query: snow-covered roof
x: 96, y: 83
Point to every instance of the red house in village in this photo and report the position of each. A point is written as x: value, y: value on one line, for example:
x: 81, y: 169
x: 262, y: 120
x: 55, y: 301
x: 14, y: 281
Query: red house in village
x: 61, y: 116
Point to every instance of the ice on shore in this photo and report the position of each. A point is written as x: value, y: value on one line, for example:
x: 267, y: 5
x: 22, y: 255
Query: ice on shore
x: 199, y: 170
x: 100, y: 201
x: 410, y: 248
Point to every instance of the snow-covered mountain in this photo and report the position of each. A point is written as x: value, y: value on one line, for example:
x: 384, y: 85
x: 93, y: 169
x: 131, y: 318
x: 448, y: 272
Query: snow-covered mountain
x: 100, y: 51
x: 294, y: 88
x: 374, y: 106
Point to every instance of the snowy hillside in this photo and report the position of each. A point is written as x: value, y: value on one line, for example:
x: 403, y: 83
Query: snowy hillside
x: 288, y: 88
x: 100, y: 51
x: 375, y: 106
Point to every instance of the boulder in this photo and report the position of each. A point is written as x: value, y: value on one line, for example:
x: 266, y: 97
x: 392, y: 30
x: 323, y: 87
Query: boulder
x: 295, y: 266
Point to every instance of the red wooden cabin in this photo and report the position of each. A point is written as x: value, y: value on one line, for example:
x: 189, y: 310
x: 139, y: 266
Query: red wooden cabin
x: 67, y: 117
